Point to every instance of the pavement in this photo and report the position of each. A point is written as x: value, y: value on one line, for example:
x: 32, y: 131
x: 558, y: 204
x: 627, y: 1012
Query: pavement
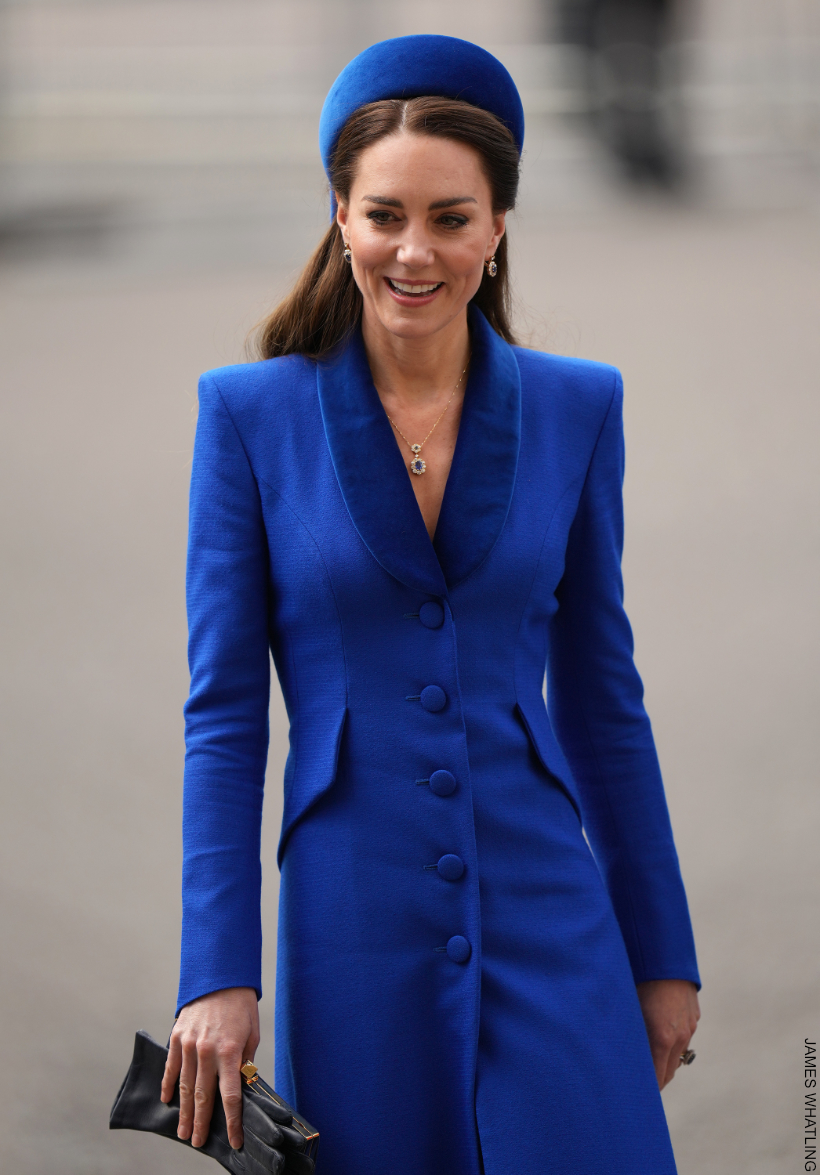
x: 711, y: 312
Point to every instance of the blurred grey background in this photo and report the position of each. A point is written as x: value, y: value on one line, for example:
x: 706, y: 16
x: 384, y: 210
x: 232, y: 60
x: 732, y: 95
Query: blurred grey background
x: 159, y: 187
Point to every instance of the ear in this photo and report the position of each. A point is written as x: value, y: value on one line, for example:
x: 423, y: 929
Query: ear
x: 499, y: 228
x: 341, y: 213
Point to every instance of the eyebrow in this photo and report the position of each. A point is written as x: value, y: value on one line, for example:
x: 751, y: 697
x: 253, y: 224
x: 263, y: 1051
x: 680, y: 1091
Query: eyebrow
x: 449, y: 202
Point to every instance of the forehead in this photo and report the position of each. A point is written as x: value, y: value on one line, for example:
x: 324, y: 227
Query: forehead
x: 423, y: 164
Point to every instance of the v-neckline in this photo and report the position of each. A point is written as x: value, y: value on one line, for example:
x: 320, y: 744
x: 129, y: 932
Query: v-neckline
x: 394, y: 429
x: 374, y: 480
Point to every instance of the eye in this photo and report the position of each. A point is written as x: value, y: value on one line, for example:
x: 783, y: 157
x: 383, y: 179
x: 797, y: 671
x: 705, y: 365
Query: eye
x: 453, y: 220
x: 379, y: 216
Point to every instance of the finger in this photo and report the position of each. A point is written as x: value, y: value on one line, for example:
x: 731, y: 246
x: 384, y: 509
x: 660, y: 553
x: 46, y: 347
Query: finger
x: 187, y: 1080
x: 260, y: 1124
x: 672, y: 1064
x: 204, y: 1091
x: 230, y: 1087
x: 659, y: 1057
x: 252, y: 1044
x: 666, y: 1050
x: 666, y: 1066
x: 172, y: 1069
x: 271, y: 1157
x: 673, y: 1060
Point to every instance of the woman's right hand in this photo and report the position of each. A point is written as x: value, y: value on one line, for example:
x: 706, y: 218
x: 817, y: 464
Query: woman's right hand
x: 213, y: 1037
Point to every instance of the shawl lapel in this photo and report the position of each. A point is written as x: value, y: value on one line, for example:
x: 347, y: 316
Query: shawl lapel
x: 482, y: 477
x: 371, y: 473
x: 374, y: 480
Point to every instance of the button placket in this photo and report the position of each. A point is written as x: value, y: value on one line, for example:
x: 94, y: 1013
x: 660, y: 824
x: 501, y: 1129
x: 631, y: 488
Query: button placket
x: 441, y: 782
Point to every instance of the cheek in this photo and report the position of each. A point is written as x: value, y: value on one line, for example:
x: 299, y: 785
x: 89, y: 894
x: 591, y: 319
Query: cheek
x: 369, y: 249
x: 463, y: 266
x: 467, y: 260
x: 464, y: 255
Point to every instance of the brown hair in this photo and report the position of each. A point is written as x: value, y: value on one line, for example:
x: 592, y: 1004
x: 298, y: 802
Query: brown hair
x: 325, y: 305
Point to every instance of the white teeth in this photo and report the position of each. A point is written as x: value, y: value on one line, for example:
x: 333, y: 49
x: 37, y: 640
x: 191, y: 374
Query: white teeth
x: 406, y: 289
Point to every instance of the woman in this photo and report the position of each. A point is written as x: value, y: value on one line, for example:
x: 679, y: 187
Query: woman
x: 417, y: 516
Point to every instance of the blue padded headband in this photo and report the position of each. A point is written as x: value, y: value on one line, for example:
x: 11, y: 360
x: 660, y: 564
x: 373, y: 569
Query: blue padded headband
x: 418, y: 66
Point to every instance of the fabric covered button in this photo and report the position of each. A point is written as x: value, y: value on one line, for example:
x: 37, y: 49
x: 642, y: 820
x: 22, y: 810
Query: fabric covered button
x: 450, y: 867
x: 431, y: 614
x: 458, y: 949
x: 433, y: 698
x: 442, y: 783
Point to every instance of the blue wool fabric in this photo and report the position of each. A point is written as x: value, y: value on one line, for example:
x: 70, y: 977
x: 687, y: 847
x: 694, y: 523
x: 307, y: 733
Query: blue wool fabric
x: 456, y: 964
x: 414, y: 67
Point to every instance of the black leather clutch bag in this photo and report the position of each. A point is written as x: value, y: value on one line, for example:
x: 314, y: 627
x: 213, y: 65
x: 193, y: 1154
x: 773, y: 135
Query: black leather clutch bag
x: 277, y: 1139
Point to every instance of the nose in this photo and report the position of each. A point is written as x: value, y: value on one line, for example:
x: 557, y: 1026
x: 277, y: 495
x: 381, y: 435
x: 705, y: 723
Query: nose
x: 415, y: 248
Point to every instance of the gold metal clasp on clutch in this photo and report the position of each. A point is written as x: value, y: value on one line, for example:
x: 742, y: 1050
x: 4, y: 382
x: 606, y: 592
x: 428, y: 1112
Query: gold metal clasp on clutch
x: 251, y: 1074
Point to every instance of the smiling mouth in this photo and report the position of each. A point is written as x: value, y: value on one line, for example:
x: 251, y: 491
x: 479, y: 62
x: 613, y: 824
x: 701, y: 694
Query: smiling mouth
x: 414, y: 290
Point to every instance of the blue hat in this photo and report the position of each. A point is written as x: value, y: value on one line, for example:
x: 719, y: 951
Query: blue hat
x: 413, y: 67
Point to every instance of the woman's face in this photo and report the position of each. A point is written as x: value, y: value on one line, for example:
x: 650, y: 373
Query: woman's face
x: 420, y: 226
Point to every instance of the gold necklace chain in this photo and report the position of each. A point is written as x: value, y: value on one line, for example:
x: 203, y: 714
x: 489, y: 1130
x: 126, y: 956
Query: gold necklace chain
x: 417, y: 465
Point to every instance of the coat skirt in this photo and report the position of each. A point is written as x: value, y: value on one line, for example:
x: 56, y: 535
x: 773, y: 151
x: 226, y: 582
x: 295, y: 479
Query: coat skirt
x: 472, y: 883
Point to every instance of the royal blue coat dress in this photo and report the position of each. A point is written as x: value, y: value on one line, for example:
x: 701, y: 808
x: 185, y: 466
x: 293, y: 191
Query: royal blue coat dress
x: 457, y: 960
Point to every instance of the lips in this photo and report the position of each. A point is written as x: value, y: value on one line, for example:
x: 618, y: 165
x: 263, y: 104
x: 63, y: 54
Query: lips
x: 413, y: 289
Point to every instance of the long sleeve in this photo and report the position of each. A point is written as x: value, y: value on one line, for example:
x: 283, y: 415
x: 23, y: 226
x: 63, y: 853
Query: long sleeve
x: 595, y: 699
x: 226, y: 716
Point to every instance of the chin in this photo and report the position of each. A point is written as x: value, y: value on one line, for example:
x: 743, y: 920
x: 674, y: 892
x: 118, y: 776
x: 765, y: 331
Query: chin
x: 415, y: 324
x: 413, y: 330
